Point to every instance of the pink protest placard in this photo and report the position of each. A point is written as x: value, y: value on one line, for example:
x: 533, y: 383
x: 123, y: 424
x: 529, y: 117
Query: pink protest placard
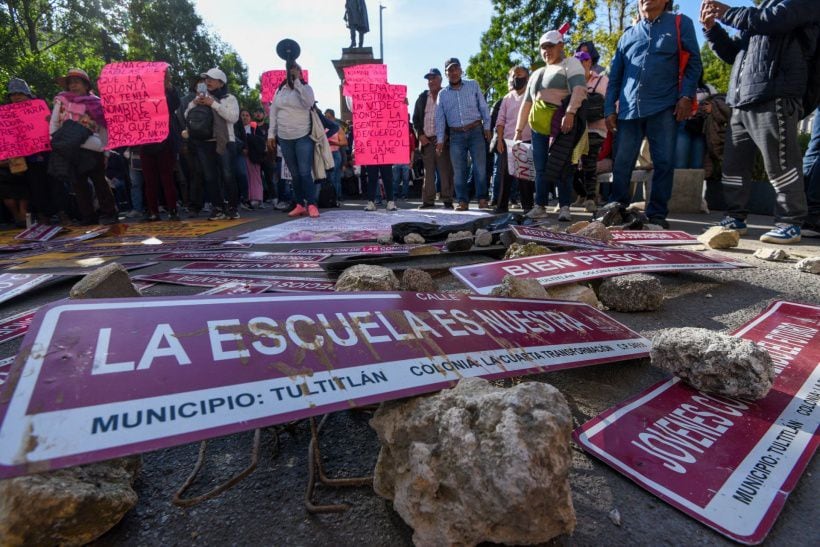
x: 133, y: 98
x: 381, y: 131
x: 363, y: 74
x: 271, y: 80
x: 24, y: 129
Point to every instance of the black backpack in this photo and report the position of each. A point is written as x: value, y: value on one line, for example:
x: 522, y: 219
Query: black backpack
x: 200, y: 123
x: 594, y: 104
x: 327, y: 195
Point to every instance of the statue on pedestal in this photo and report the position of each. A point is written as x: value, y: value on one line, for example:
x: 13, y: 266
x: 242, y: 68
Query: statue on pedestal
x: 356, y: 19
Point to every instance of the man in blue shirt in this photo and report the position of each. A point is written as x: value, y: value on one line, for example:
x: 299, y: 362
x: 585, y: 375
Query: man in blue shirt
x: 644, y: 78
x: 461, y: 108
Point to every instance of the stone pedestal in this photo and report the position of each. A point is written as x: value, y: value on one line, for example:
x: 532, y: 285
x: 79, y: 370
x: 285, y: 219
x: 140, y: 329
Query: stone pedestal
x: 351, y: 56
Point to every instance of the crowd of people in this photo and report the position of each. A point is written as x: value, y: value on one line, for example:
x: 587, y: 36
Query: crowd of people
x: 576, y: 117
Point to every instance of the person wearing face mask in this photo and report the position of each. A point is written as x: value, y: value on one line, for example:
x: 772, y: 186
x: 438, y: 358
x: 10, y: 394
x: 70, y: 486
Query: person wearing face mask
x: 518, y: 77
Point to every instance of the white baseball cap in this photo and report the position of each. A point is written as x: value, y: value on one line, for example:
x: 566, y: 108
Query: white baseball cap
x: 551, y: 37
x: 215, y: 74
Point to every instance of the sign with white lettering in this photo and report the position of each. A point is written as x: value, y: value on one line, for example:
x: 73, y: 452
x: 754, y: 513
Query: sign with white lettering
x: 365, y: 250
x: 235, y: 287
x: 244, y: 256
x: 277, y: 283
x: 39, y: 232
x: 568, y: 267
x: 98, y: 379
x: 559, y: 239
x: 253, y: 267
x: 727, y: 463
x: 16, y: 325
x: 653, y: 237
x: 5, y: 366
x: 14, y: 284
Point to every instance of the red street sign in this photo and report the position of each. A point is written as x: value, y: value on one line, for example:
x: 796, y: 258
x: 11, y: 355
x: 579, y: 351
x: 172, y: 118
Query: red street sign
x: 240, y: 256
x: 13, y: 284
x: 568, y: 267
x: 277, y: 283
x: 39, y: 232
x: 98, y: 379
x: 253, y: 267
x: 727, y: 463
x: 653, y: 237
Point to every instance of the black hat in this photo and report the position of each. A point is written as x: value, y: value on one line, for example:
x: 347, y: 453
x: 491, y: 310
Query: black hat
x: 451, y: 61
x: 432, y: 72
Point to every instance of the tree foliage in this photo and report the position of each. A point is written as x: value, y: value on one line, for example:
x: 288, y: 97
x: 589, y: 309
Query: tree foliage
x: 715, y: 71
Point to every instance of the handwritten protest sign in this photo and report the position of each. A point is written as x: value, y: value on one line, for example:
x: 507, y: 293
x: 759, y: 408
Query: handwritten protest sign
x: 519, y: 158
x: 271, y: 80
x: 381, y: 132
x: 363, y: 74
x: 133, y: 98
x: 24, y: 129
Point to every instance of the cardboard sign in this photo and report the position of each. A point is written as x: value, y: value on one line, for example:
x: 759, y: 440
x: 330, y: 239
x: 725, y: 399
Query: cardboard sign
x: 14, y: 284
x: 559, y: 239
x: 239, y: 256
x: 727, y: 463
x: 381, y: 133
x: 24, y: 129
x: 270, y: 82
x: 133, y: 99
x: 277, y: 283
x: 653, y: 237
x: 363, y: 74
x: 235, y: 288
x: 254, y: 267
x: 519, y: 159
x: 16, y: 325
x: 39, y: 232
x: 572, y: 266
x: 106, y: 378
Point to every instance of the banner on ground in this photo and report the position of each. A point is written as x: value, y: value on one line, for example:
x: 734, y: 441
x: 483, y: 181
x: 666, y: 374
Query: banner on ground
x: 270, y: 82
x: 149, y: 373
x: 381, y: 131
x: 729, y: 464
x: 24, y: 129
x: 572, y: 266
x: 133, y: 99
x: 363, y: 74
x: 653, y: 237
x: 519, y: 159
x: 277, y: 283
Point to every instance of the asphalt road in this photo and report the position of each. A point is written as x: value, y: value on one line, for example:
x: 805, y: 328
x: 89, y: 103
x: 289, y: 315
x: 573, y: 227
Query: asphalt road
x: 267, y: 507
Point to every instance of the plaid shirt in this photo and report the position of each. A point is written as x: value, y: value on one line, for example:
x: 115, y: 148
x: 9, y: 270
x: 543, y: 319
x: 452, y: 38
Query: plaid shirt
x: 460, y: 107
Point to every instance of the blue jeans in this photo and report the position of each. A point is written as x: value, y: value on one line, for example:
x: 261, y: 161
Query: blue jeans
x: 336, y: 175
x: 660, y: 129
x: 543, y: 187
x: 218, y: 173
x: 689, y: 149
x: 811, y: 172
x: 136, y: 189
x: 373, y: 172
x: 240, y: 170
x: 401, y: 178
x: 471, y: 141
x: 298, y: 155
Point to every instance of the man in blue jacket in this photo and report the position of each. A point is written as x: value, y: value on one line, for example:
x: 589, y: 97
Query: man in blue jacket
x: 768, y: 81
x: 644, y: 79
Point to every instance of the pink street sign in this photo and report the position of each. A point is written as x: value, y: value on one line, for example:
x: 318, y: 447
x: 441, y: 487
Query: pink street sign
x: 14, y: 284
x: 363, y: 250
x: 234, y: 288
x: 15, y: 325
x: 99, y: 379
x: 277, y: 283
x: 24, y: 129
x: 240, y: 256
x: 729, y: 464
x: 560, y: 239
x: 39, y: 232
x: 252, y: 267
x: 133, y: 99
x: 270, y: 82
x: 572, y: 266
x: 653, y: 237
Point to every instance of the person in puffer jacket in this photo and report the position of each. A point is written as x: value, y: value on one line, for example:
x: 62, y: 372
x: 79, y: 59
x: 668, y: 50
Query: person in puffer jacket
x: 768, y: 80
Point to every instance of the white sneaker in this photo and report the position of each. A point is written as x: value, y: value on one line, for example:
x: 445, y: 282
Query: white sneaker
x: 370, y: 206
x: 391, y: 205
x: 537, y: 211
x: 564, y: 215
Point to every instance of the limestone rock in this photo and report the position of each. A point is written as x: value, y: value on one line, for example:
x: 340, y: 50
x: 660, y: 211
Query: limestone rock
x: 483, y: 238
x: 517, y: 287
x: 424, y: 250
x: 386, y: 239
x: 459, y: 241
x: 809, y: 265
x: 417, y: 281
x: 478, y: 463
x: 596, y: 230
x: 772, y: 255
x: 517, y: 250
x: 109, y: 281
x: 631, y: 293
x: 361, y: 277
x: 577, y: 226
x: 718, y: 237
x: 70, y: 506
x: 574, y: 292
x: 414, y: 239
x: 714, y: 362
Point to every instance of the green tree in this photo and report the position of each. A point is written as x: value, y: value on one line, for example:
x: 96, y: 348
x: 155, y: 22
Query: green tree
x: 715, y: 71
x: 602, y: 22
x: 512, y: 39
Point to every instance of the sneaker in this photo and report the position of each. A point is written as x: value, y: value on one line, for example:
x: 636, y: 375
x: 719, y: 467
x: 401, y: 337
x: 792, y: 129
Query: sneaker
x: 537, y: 211
x: 133, y: 213
x: 391, y: 205
x: 298, y: 211
x: 782, y: 234
x: 564, y: 215
x: 370, y: 206
x: 313, y: 211
x: 233, y: 214
x: 733, y: 223
x: 283, y: 206
x: 174, y: 216
x: 216, y: 214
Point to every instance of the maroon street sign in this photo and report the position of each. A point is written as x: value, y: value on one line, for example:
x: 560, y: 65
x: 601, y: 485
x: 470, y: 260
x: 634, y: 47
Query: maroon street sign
x: 572, y: 266
x: 234, y: 288
x: 39, y: 232
x: 548, y: 237
x: 14, y: 284
x: 277, y: 283
x: 250, y: 267
x: 363, y: 250
x: 729, y: 464
x: 98, y: 379
x: 5, y: 367
x: 15, y: 325
x: 653, y: 237
x: 240, y: 256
